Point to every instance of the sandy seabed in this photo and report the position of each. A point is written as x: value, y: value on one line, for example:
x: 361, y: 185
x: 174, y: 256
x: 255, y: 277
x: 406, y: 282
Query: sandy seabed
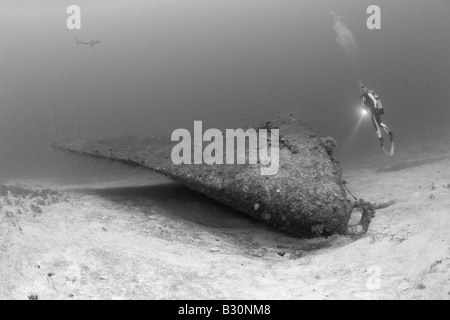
x: 141, y: 238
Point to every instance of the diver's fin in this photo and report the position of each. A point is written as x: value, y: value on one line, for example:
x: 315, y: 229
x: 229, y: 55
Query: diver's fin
x: 386, y: 152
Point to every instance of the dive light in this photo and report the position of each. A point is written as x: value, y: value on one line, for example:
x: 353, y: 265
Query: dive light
x: 364, y: 111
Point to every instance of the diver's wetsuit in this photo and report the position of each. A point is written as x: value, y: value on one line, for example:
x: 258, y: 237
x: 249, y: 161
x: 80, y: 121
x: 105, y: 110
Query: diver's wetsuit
x: 370, y: 101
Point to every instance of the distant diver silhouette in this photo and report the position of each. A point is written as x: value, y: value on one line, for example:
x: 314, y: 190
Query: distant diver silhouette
x: 372, y: 104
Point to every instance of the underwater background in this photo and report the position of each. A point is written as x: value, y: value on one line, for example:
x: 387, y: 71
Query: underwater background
x: 163, y: 64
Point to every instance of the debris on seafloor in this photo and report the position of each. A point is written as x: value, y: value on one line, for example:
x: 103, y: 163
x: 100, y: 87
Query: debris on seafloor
x: 368, y: 213
x: 19, y: 200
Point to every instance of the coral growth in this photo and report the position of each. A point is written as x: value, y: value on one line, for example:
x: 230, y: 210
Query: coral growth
x: 329, y: 144
x: 19, y: 200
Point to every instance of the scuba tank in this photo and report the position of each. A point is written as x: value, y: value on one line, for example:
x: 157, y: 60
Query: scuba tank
x: 379, y: 105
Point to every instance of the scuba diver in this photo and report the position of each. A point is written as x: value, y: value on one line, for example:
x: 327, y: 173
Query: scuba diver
x: 372, y: 105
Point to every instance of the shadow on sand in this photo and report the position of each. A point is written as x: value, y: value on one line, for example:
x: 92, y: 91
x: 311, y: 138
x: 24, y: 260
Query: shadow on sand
x: 177, y: 202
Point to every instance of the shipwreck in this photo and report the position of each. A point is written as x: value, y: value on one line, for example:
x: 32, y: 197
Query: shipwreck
x: 306, y: 197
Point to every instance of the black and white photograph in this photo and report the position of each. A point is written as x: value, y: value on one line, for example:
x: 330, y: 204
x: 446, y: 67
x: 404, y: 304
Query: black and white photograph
x: 226, y: 156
